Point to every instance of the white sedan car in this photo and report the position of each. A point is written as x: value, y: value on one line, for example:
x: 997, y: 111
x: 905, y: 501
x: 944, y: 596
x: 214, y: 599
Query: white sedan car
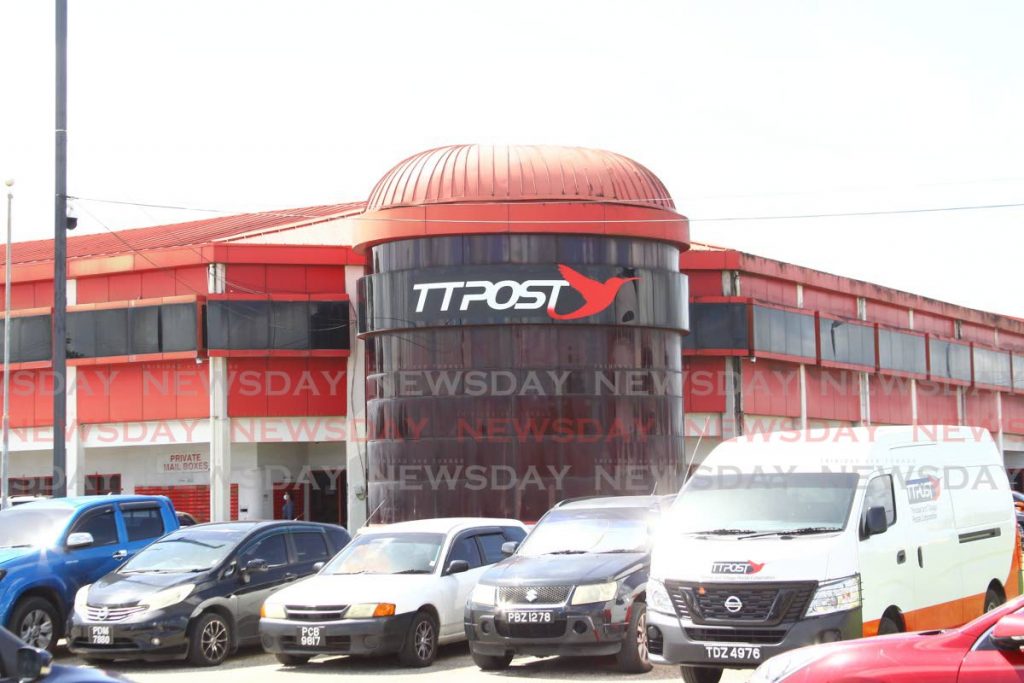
x: 395, y: 589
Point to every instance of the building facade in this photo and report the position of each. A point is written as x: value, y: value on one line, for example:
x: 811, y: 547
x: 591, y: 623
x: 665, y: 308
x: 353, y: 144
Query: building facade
x: 494, y: 329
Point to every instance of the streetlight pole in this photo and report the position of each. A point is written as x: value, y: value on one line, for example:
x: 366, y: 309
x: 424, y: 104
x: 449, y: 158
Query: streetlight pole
x: 5, y: 456
x: 60, y: 228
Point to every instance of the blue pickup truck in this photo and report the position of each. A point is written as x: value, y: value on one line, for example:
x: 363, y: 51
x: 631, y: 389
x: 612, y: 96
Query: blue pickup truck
x: 51, y: 548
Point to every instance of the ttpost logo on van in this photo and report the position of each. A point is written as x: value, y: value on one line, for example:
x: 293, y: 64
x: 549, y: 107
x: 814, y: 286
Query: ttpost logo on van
x: 736, y: 568
x: 521, y: 296
x: 923, y: 490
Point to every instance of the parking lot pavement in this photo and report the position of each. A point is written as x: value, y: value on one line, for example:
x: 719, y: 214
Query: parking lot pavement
x: 453, y: 664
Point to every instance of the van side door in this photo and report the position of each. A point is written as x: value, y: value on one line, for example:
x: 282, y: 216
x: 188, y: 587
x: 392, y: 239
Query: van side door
x: 935, y: 555
x: 885, y: 562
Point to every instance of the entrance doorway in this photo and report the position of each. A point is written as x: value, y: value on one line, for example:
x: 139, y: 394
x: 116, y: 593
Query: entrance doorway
x: 328, y: 500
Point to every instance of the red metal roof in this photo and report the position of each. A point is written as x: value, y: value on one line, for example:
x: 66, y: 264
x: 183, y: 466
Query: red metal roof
x: 190, y: 234
x: 481, y: 173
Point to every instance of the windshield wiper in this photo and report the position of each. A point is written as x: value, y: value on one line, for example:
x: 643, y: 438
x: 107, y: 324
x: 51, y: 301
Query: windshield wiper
x: 622, y: 551
x: 568, y: 552
x: 412, y: 571
x: 722, y: 532
x: 18, y: 545
x: 803, y: 531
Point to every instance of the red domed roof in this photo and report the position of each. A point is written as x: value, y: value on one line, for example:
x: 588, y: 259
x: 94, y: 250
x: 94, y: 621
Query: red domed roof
x: 489, y: 173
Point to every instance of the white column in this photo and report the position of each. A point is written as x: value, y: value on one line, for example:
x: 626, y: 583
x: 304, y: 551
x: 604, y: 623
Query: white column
x: 220, y: 423
x: 74, y: 449
x: 355, y: 420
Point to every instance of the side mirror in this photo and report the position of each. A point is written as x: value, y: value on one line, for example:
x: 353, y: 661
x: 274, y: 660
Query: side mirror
x: 256, y: 566
x: 34, y: 664
x: 81, y: 539
x: 876, y: 521
x: 1008, y: 633
x: 508, y: 548
x: 457, y: 567
x: 318, y: 566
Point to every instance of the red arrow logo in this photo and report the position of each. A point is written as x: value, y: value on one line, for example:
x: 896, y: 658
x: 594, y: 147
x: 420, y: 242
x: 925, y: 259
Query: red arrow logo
x: 597, y: 295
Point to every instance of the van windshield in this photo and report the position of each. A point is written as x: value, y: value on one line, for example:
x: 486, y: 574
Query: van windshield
x: 761, y: 502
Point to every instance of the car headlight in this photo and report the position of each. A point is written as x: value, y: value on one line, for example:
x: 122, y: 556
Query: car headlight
x: 485, y: 595
x: 594, y: 592
x: 82, y: 598
x: 782, y: 666
x: 658, y: 599
x: 836, y: 596
x: 166, y: 598
x: 370, y: 610
x: 273, y: 611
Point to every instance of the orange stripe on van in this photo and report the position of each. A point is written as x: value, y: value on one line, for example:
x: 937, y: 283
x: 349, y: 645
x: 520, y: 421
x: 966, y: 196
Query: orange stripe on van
x: 1012, y: 585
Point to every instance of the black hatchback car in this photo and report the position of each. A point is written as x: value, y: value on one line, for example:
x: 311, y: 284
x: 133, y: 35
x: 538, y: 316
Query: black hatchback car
x: 576, y: 586
x: 197, y: 592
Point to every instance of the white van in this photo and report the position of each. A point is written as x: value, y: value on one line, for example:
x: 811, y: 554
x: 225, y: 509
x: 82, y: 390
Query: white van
x: 793, y: 538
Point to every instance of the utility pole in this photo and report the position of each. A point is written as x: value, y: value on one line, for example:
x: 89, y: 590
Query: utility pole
x: 5, y: 456
x: 60, y: 275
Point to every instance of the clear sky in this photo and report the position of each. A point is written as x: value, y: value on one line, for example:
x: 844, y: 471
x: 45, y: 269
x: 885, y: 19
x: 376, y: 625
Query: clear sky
x: 742, y: 108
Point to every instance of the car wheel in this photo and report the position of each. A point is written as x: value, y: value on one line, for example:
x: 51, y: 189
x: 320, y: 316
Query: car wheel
x: 35, y: 621
x: 210, y: 640
x: 888, y: 626
x: 634, y: 658
x: 420, y: 646
x: 491, y: 662
x: 993, y: 599
x: 701, y: 674
x: 292, y: 660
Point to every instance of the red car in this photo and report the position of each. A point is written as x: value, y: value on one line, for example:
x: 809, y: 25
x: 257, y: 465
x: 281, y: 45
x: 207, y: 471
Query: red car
x: 986, y: 650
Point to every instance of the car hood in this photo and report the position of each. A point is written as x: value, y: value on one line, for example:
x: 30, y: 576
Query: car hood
x: 126, y: 589
x: 10, y: 556
x: 330, y: 589
x: 690, y: 558
x: 564, y: 569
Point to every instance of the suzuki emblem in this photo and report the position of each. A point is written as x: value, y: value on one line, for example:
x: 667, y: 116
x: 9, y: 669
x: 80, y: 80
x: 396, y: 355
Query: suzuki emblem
x: 531, y: 595
x: 733, y: 604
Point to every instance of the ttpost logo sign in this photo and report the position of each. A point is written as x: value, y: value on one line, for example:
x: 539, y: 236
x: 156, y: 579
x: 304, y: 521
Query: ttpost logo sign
x: 924, y: 490
x: 525, y: 295
x: 736, y: 568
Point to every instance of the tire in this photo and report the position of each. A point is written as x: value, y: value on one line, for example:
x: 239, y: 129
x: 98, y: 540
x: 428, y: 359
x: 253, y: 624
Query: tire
x: 701, y: 674
x: 420, y: 646
x: 210, y: 641
x: 491, y: 662
x: 634, y: 657
x: 888, y: 626
x: 35, y: 621
x: 292, y: 660
x: 993, y: 599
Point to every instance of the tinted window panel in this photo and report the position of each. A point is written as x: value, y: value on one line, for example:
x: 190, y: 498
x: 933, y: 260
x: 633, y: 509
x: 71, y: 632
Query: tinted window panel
x: 145, y: 329
x: 248, y: 324
x: 143, y: 523
x: 901, y: 352
x: 328, y: 324
x: 847, y: 342
x: 949, y: 360
x: 991, y: 367
x: 310, y: 547
x: 784, y: 332
x: 30, y: 338
x: 1018, y: 372
x: 718, y: 326
x: 289, y: 325
x: 273, y: 550
x: 178, y: 328
x: 101, y: 525
x: 81, y: 335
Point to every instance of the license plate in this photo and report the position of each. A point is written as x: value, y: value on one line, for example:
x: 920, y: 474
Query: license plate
x: 100, y: 635
x: 309, y: 636
x: 527, y: 617
x: 733, y: 653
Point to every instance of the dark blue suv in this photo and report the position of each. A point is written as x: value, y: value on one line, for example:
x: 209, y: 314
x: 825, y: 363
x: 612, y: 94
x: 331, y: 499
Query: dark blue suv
x: 51, y: 548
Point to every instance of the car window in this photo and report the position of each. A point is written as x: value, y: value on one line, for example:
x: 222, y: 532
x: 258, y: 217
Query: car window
x: 143, y: 523
x: 466, y: 549
x: 514, y: 533
x: 101, y: 524
x: 879, y: 494
x: 491, y: 544
x: 339, y: 537
x: 310, y: 546
x: 273, y: 550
